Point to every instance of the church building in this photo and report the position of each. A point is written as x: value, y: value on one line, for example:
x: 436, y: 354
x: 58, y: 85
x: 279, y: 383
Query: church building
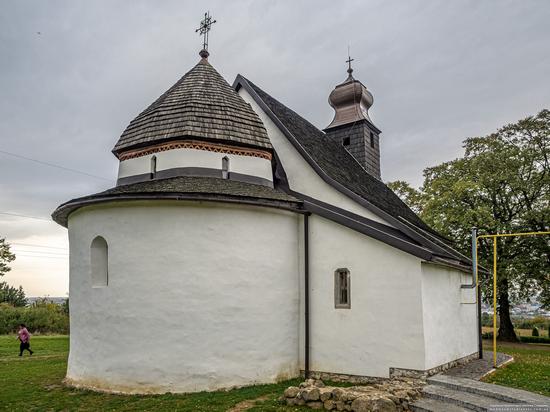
x: 242, y: 245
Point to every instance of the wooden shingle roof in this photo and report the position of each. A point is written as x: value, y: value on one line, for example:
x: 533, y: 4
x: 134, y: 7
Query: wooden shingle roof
x: 200, y: 105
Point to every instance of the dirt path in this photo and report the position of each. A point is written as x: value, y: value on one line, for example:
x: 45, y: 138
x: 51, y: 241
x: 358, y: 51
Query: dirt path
x: 244, y: 405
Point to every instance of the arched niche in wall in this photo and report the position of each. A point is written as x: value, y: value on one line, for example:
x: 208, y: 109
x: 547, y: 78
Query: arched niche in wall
x: 99, y: 259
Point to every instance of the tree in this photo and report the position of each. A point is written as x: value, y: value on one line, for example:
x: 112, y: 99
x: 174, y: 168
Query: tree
x: 5, y: 257
x: 500, y: 185
x: 412, y: 197
x: 13, y: 296
x: 9, y: 294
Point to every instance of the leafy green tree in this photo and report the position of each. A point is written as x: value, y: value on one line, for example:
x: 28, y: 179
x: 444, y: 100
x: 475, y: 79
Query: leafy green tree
x: 12, y: 295
x: 412, y: 197
x: 5, y: 257
x: 9, y: 294
x: 65, y: 306
x: 500, y: 185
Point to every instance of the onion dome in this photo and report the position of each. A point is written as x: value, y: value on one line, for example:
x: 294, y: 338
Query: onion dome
x: 351, y: 101
x: 200, y: 106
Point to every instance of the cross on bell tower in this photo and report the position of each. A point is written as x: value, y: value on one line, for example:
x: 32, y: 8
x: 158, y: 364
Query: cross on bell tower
x: 350, y: 70
x: 203, y: 30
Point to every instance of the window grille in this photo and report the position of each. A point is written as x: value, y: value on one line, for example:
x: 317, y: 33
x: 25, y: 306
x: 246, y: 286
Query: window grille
x: 342, y: 289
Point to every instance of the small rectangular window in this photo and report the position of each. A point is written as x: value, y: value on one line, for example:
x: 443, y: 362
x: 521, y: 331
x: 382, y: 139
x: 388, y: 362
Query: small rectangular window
x: 342, y: 289
x: 372, y: 140
x: 346, y: 141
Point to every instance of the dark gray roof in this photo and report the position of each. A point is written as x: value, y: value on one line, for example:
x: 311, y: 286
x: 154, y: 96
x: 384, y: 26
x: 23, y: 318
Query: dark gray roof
x: 336, y: 165
x: 184, y: 188
x: 200, y: 105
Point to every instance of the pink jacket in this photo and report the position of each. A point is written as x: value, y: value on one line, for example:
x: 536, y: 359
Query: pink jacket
x: 24, y: 335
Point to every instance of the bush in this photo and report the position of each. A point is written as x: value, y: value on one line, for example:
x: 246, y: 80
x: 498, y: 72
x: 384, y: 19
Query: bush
x: 535, y: 332
x: 534, y: 339
x: 41, y: 317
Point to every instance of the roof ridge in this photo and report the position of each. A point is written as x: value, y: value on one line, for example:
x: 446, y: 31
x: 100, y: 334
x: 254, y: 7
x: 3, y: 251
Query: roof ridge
x: 347, y: 172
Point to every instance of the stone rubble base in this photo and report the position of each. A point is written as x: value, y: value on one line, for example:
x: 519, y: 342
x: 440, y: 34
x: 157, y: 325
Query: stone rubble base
x: 392, y: 395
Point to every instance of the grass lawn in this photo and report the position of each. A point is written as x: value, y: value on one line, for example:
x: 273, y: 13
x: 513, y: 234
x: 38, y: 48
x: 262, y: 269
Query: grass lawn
x: 519, y: 332
x: 529, y: 371
x: 34, y: 383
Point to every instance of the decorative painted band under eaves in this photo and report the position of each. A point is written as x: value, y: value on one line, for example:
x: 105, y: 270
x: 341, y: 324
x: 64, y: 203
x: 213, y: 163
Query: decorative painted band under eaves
x: 194, y: 144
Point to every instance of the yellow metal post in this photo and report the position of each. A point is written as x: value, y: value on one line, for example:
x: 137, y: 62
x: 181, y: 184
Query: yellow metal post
x: 495, y: 301
x: 495, y: 237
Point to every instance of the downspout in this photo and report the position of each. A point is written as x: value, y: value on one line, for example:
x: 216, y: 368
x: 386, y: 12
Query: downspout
x: 306, y: 295
x: 475, y: 284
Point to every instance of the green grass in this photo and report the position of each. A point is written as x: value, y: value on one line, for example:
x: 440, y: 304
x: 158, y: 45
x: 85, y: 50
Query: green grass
x: 529, y: 371
x: 35, y: 384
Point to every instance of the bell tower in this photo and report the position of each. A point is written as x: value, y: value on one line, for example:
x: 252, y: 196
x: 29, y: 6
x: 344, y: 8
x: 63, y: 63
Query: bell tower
x: 352, y: 126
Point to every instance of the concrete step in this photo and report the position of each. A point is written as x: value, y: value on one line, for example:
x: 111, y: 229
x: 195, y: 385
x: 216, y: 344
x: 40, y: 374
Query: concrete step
x: 434, y: 405
x: 465, y: 400
x: 499, y: 393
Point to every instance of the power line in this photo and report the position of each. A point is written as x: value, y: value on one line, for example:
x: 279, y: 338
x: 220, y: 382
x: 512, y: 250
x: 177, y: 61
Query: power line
x: 41, y: 252
x: 54, y: 165
x: 45, y: 257
x: 26, y: 216
x: 35, y: 245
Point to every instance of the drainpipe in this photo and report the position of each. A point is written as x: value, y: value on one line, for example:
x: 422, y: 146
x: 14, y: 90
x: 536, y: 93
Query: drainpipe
x: 473, y: 285
x: 306, y: 295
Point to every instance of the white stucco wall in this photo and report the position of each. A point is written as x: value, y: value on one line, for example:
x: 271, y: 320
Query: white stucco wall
x: 384, y: 327
x: 301, y: 176
x: 450, y: 320
x: 200, y: 296
x: 249, y: 165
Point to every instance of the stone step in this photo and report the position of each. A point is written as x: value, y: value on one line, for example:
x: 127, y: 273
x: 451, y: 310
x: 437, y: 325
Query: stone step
x: 499, y: 393
x: 434, y: 405
x: 465, y: 400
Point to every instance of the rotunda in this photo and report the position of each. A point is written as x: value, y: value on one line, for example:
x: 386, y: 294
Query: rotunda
x: 184, y: 277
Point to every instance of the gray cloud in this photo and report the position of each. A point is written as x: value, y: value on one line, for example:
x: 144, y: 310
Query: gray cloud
x: 439, y: 71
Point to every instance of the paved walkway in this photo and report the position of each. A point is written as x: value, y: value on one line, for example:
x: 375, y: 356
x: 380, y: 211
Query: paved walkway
x: 459, y: 390
x: 477, y: 368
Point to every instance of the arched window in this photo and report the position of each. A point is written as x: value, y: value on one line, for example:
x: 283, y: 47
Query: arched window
x: 153, y: 166
x: 99, y: 258
x: 225, y: 167
x: 342, y: 289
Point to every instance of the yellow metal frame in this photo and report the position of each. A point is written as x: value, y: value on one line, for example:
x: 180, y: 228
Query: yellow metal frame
x: 495, y: 237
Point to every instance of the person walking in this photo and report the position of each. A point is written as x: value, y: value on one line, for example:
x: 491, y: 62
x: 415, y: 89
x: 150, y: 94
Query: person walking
x: 25, y: 338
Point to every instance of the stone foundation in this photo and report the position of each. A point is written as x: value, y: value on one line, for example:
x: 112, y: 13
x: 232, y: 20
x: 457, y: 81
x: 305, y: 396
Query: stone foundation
x: 341, y: 377
x: 392, y: 395
x: 423, y: 374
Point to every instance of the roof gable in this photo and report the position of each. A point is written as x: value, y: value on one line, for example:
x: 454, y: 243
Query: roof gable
x: 340, y: 169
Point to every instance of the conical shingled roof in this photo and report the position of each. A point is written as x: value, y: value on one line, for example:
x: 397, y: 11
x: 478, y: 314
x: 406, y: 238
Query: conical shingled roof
x: 200, y: 105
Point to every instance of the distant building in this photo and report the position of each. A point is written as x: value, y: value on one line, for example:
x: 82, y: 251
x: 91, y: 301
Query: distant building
x: 242, y: 245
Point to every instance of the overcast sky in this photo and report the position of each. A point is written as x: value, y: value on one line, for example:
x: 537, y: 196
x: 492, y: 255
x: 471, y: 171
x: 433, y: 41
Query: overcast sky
x: 73, y: 74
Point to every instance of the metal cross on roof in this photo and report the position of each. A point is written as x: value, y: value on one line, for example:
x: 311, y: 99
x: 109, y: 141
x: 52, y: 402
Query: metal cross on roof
x: 204, y: 28
x: 348, y: 61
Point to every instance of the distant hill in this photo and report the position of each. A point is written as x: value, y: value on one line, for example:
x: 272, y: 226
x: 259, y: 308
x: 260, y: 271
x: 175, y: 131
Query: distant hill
x: 54, y: 299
